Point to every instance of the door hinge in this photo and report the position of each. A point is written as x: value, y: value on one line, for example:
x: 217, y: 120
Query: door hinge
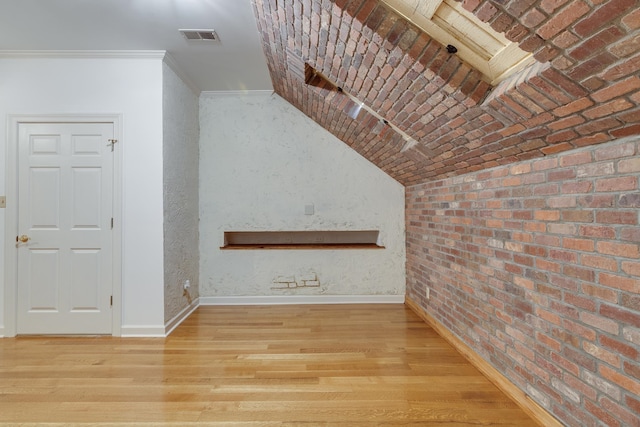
x: 111, y: 301
x: 112, y: 223
x: 112, y: 143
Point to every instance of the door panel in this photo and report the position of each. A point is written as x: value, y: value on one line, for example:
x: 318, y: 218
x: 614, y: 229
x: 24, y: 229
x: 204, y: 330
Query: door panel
x: 86, y: 189
x: 42, y: 279
x: 65, y: 203
x: 85, y: 268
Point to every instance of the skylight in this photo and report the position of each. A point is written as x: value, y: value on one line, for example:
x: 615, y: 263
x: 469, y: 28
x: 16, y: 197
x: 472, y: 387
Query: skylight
x: 478, y: 44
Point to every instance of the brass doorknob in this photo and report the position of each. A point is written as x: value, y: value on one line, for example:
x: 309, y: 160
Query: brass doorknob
x: 24, y: 238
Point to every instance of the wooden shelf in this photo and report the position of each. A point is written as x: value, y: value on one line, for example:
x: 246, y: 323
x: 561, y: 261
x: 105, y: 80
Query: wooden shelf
x: 310, y: 239
x: 298, y: 246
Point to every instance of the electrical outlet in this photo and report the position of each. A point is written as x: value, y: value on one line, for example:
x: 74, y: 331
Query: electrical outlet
x: 187, y: 284
x: 427, y: 293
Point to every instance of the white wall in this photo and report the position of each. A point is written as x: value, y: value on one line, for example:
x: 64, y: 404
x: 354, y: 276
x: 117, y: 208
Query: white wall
x: 128, y: 86
x: 180, y: 153
x: 261, y: 162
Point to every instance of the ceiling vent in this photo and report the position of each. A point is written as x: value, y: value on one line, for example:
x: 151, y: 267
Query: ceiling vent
x: 202, y: 35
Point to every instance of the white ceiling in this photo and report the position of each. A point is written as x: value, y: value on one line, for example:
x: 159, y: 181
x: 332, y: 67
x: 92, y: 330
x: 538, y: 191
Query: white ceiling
x: 236, y: 63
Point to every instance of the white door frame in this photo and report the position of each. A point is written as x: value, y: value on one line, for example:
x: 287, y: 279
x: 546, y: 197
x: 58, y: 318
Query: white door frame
x: 11, y: 218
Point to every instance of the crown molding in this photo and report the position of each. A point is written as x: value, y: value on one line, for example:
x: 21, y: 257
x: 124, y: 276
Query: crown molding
x: 235, y: 93
x: 121, y: 54
x: 173, y: 65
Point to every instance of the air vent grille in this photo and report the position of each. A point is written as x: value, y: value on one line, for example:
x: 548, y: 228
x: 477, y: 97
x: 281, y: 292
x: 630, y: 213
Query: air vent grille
x: 203, y: 35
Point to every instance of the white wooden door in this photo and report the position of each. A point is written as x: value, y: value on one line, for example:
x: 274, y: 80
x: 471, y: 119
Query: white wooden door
x: 65, y: 253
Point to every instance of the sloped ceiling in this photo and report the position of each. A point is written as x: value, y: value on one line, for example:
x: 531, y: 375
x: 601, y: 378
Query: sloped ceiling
x: 399, y: 98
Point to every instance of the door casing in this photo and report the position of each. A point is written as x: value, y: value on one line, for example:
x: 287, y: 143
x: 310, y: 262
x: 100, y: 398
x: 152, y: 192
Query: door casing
x: 11, y: 218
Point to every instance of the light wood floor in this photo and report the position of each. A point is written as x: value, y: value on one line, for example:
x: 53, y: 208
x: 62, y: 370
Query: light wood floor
x: 346, y: 365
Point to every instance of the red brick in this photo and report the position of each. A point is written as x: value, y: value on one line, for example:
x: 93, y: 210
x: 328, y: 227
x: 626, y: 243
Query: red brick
x: 619, y: 347
x: 574, y: 107
x: 563, y: 19
x: 632, y: 20
x: 533, y: 18
x: 617, y: 217
x: 572, y: 88
x: 600, y: 292
x: 624, y: 250
x: 517, y: 8
x: 627, y: 417
x: 579, y: 273
x: 597, y: 42
x: 544, y: 164
x: 631, y: 234
x: 486, y: 12
x: 620, y: 282
x: 632, y: 369
x: 567, y: 135
x: 618, y: 89
x: 599, y: 262
x: 620, y: 379
x: 626, y: 131
x: 569, y: 257
x: 566, y: 122
x: 547, y: 215
x: 602, y: 354
x: 611, y: 107
x: 575, y: 159
x: 516, y: 33
x: 615, y: 151
x: 602, y: 15
x: 631, y: 268
x: 600, y: 414
x: 565, y: 39
x: 628, y: 67
x: 592, y: 139
x: 577, y: 216
x: 625, y: 317
x: 633, y: 403
x: 585, y: 245
x: 471, y: 5
x: 591, y: 66
x: 617, y: 184
x: 600, y: 322
x: 550, y: 6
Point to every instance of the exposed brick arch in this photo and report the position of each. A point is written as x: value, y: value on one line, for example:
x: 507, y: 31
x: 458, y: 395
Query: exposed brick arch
x: 446, y: 106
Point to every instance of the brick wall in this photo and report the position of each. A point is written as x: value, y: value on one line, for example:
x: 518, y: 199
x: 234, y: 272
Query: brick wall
x: 536, y: 266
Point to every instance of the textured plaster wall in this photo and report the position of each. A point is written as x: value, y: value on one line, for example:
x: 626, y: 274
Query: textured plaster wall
x: 180, y: 180
x: 261, y: 162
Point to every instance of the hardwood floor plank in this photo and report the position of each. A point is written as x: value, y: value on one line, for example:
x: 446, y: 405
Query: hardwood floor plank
x: 345, y: 365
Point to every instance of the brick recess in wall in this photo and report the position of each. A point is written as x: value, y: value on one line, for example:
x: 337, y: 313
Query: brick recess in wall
x: 583, y: 90
x: 536, y: 266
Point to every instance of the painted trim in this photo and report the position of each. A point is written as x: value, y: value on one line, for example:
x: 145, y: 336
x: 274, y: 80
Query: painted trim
x: 173, y: 65
x: 303, y: 299
x: 11, y: 218
x: 531, y: 408
x: 122, y: 54
x: 172, y: 324
x: 237, y: 93
x: 138, y: 331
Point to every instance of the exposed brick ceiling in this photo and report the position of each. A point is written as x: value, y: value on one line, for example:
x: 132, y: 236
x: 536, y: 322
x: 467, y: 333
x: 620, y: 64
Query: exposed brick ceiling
x: 584, y: 88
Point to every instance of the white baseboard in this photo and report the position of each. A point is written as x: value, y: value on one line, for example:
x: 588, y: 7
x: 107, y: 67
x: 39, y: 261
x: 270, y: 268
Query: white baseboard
x: 180, y: 317
x: 136, y: 331
x: 303, y: 299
